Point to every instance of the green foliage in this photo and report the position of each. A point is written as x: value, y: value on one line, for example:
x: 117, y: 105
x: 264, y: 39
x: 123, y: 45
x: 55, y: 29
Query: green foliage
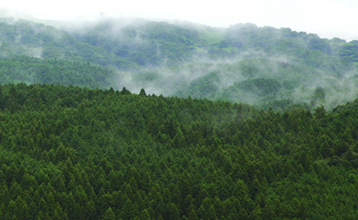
x: 143, y: 42
x: 104, y: 154
x: 203, y: 87
x: 348, y: 51
x: 34, y: 70
x: 22, y: 37
x: 80, y: 152
x: 131, y: 44
x: 264, y: 66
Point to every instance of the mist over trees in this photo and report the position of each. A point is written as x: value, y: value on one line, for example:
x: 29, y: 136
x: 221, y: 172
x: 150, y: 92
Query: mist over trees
x: 136, y: 119
x: 263, y: 66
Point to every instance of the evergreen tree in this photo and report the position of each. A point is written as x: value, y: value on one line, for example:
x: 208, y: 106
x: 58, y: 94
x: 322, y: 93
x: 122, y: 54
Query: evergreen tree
x: 144, y: 215
x: 109, y: 214
x: 142, y: 93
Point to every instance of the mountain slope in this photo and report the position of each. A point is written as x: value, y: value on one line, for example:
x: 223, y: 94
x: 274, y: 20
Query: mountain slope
x: 76, y: 153
x: 22, y: 37
x: 184, y: 59
x: 52, y: 71
x: 153, y: 43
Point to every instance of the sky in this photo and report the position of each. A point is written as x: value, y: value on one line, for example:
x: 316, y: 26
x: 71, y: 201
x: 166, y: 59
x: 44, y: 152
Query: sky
x: 327, y: 18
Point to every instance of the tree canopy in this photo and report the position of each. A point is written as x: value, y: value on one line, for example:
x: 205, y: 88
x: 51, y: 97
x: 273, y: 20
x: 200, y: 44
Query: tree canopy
x: 79, y: 153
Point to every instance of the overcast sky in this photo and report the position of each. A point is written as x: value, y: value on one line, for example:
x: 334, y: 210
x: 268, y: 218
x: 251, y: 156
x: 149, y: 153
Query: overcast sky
x: 327, y: 18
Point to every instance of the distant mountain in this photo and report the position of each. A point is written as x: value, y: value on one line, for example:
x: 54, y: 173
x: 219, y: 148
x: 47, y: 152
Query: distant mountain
x: 53, y: 71
x: 128, y: 44
x: 264, y: 66
x: 22, y: 37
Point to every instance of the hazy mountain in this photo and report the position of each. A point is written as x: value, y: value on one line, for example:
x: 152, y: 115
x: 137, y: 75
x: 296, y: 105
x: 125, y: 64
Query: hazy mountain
x: 72, y: 147
x: 243, y: 63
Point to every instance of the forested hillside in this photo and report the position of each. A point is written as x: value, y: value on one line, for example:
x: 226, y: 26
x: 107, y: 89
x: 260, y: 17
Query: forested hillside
x: 79, y: 153
x: 262, y: 66
x: 53, y: 71
x: 133, y: 43
x: 22, y: 37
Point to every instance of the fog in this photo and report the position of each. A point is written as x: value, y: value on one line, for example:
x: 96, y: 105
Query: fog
x: 225, y: 77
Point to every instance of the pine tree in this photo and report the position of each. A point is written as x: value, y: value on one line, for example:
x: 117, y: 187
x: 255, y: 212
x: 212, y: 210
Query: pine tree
x: 256, y: 213
x: 193, y: 215
x: 5, y: 194
x: 172, y: 212
x: 12, y: 173
x: 201, y: 212
x: 90, y: 210
x: 302, y: 209
x: 142, y: 93
x: 144, y: 215
x: 50, y: 202
x: 56, y: 216
x: 109, y: 215
x: 40, y: 216
x: 125, y: 91
x: 127, y: 210
x: 320, y: 112
x: 211, y: 214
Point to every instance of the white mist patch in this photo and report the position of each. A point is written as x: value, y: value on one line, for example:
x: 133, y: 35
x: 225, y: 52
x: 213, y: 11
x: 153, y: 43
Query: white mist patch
x: 158, y: 53
x: 344, y: 91
x: 36, y: 52
x: 169, y: 80
x: 18, y: 39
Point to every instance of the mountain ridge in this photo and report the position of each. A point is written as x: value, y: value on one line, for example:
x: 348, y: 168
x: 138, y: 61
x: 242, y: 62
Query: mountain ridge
x: 165, y: 58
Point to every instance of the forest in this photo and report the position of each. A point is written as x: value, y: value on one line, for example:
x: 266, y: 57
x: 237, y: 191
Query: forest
x: 79, y: 153
x: 262, y: 66
x: 147, y: 120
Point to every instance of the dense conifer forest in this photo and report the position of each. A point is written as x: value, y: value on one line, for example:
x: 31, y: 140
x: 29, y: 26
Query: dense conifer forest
x: 153, y: 120
x: 78, y: 153
x: 53, y: 71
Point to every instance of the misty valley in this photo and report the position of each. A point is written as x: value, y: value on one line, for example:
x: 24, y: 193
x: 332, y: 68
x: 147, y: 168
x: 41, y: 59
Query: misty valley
x: 138, y: 119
